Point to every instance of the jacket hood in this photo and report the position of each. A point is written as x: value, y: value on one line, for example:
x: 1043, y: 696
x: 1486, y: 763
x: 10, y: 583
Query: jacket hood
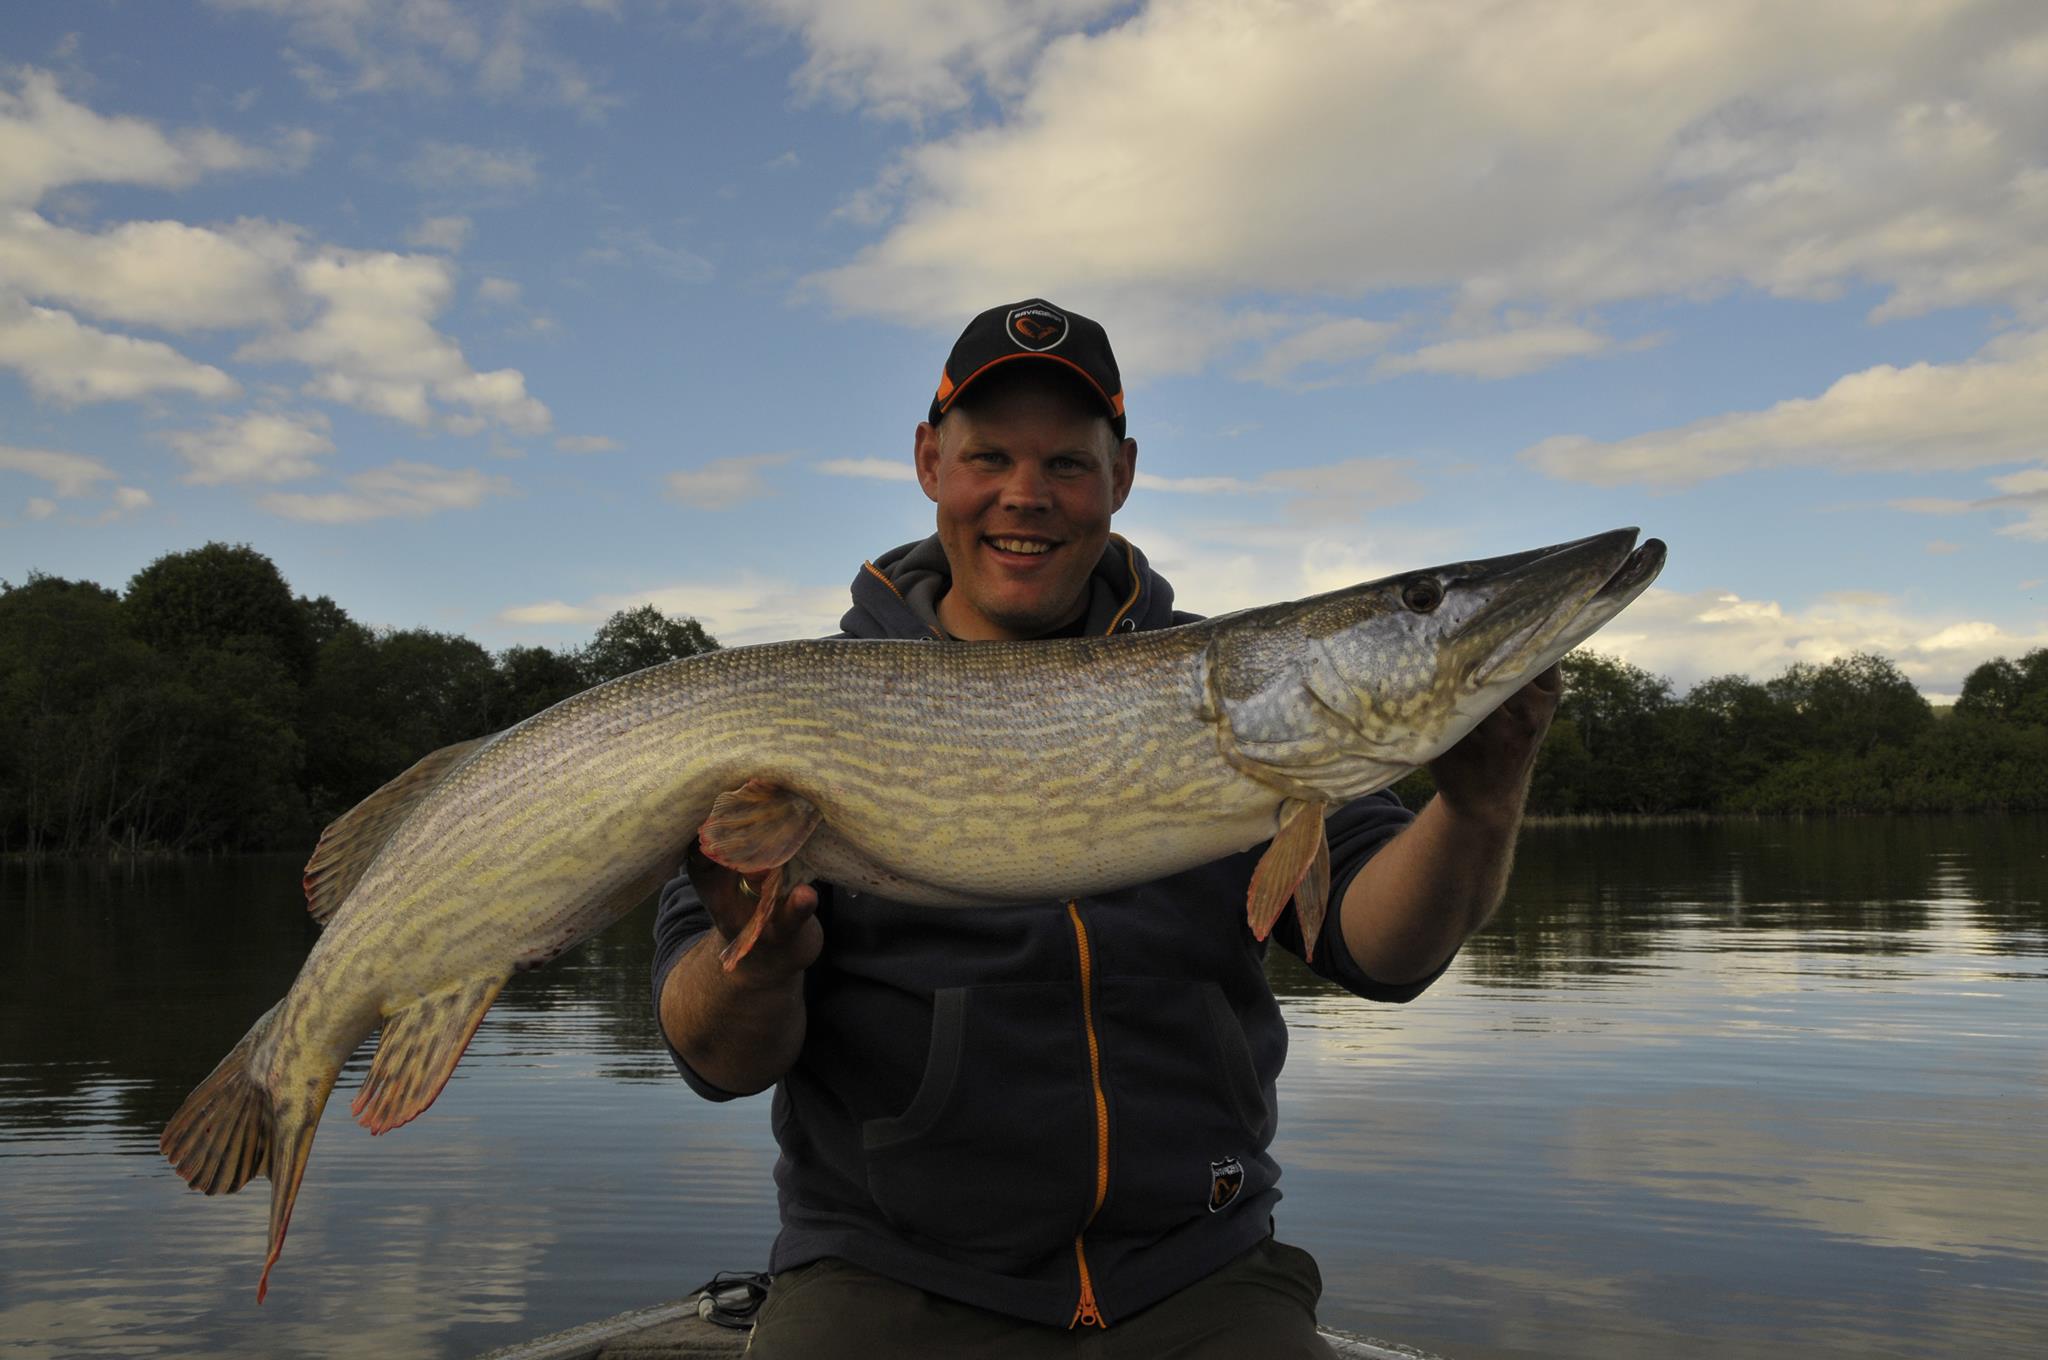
x: 897, y: 594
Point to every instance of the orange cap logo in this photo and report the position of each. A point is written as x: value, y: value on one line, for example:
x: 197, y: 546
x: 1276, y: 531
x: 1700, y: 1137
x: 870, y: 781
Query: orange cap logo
x: 1036, y: 328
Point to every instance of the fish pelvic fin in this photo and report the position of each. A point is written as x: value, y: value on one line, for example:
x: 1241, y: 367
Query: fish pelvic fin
x: 418, y: 1051
x: 351, y: 841
x: 1296, y: 865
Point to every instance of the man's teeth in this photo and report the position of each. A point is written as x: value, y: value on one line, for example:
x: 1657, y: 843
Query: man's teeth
x: 1020, y: 545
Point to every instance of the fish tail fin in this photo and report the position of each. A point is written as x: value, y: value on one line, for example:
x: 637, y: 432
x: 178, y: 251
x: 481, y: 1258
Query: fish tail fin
x: 296, y: 1126
x: 224, y: 1134
x: 232, y: 1129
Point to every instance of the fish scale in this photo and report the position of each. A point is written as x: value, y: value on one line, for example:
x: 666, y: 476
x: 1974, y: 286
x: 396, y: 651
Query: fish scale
x: 939, y: 775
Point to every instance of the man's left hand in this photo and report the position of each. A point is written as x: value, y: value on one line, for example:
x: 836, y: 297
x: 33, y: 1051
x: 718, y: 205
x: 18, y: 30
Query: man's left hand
x: 1487, y: 773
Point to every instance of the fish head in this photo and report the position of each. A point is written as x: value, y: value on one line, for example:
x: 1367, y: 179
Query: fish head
x: 1337, y: 695
x: 1418, y: 660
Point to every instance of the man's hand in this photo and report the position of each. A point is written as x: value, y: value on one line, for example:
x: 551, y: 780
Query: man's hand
x: 741, y: 1028
x: 790, y: 938
x: 1486, y: 775
x: 1438, y: 881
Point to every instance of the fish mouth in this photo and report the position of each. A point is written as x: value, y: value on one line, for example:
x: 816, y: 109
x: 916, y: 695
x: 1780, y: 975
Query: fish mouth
x: 1538, y: 605
x: 1636, y: 571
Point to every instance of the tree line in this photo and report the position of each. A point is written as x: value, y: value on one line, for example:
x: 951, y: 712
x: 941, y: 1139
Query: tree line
x: 1852, y: 735
x: 207, y: 708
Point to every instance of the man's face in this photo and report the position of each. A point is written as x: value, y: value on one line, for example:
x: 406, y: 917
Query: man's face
x: 1025, y: 479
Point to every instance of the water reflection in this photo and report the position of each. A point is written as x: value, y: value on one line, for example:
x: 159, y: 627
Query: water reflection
x: 1797, y: 1065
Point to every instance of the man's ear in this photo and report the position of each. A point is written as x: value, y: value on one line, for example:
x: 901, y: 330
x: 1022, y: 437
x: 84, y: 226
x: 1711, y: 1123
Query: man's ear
x: 1123, y: 471
x: 925, y: 449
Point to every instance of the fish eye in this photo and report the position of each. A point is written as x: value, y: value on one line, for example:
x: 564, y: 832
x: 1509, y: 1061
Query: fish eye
x: 1422, y: 594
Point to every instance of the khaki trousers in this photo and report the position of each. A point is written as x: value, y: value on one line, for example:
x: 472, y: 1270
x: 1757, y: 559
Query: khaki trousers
x: 1262, y: 1306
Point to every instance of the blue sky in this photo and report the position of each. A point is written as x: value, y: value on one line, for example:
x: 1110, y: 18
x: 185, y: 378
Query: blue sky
x: 495, y: 318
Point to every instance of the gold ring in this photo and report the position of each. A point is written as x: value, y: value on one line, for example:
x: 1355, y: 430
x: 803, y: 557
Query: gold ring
x: 747, y: 889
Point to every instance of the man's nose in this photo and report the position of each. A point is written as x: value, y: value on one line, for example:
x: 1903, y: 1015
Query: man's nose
x: 1026, y: 488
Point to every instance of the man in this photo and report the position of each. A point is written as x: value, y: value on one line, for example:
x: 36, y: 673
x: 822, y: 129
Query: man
x: 1003, y: 1124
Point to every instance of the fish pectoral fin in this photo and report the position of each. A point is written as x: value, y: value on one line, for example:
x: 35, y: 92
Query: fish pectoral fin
x: 418, y: 1050
x: 352, y: 840
x: 757, y: 826
x: 1296, y: 865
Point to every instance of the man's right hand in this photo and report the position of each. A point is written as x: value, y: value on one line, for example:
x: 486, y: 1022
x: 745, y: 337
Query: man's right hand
x: 790, y: 938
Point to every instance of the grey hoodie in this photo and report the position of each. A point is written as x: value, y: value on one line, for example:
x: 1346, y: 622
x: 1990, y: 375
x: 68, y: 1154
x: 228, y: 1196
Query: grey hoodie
x: 1019, y: 1107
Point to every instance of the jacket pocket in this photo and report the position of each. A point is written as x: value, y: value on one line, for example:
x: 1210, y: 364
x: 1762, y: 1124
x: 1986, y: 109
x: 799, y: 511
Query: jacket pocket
x: 1192, y: 1119
x: 994, y: 1157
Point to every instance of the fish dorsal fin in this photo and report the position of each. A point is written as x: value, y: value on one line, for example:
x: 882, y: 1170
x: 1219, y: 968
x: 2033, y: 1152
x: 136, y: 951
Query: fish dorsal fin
x: 418, y: 1051
x: 353, y: 839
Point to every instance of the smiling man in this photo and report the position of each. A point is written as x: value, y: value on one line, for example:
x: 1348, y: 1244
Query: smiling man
x: 999, y: 1126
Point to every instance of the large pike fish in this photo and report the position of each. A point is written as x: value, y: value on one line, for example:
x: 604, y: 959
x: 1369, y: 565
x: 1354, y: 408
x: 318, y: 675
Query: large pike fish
x: 978, y: 773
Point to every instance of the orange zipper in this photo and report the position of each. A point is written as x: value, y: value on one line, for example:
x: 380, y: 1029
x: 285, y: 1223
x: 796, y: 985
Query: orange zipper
x: 1086, y: 1313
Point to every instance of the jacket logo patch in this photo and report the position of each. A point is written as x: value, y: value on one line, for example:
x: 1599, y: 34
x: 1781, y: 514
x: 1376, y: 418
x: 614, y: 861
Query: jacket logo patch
x: 1226, y: 1178
x: 1037, y: 328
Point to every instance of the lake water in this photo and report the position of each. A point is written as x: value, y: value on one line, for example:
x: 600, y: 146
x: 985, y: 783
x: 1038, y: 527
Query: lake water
x: 1731, y: 1090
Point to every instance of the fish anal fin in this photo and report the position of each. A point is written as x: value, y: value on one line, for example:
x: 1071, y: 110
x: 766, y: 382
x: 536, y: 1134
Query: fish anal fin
x: 418, y: 1050
x: 757, y: 826
x: 352, y: 840
x: 1298, y: 847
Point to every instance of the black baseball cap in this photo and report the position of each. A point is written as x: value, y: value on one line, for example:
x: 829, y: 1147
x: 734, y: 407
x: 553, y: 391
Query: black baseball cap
x: 1033, y: 329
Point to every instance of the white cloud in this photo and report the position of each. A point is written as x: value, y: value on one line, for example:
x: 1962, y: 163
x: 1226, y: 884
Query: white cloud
x: 586, y: 443
x: 738, y: 611
x: 2025, y: 491
x: 372, y: 344
x: 876, y: 469
x: 1991, y: 409
x: 67, y: 361
x: 440, y: 233
x: 341, y: 48
x: 907, y: 58
x: 1502, y: 354
x: 1325, y: 352
x: 1199, y: 486
x: 47, y: 142
x: 455, y: 166
x: 1205, y: 153
x: 399, y: 489
x: 163, y: 274
x: 637, y: 245
x: 69, y: 474
x: 127, y: 501
x: 725, y: 482
x: 497, y: 292
x: 260, y: 446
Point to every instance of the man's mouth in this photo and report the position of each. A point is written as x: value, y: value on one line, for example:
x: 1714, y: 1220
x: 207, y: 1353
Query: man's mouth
x: 1030, y: 547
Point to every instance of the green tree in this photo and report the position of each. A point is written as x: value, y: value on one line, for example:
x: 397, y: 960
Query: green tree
x: 531, y: 679
x: 378, y: 702
x: 209, y: 596
x: 1853, y: 704
x: 75, y: 692
x: 2008, y: 691
x: 634, y: 639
